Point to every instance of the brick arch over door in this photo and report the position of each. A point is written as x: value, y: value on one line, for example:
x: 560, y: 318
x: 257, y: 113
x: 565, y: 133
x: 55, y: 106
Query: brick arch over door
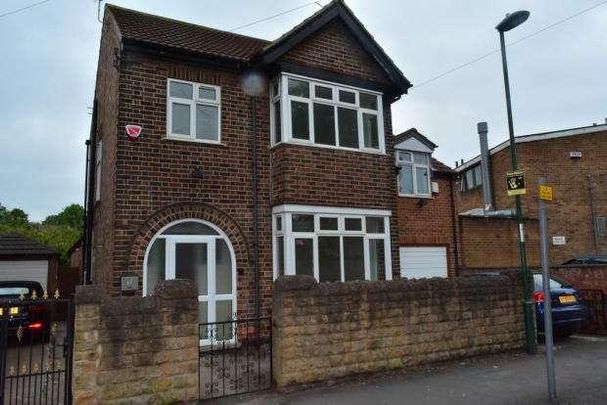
x: 200, y: 211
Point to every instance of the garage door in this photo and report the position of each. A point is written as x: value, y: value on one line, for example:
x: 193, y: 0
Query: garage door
x: 423, y: 261
x: 24, y: 270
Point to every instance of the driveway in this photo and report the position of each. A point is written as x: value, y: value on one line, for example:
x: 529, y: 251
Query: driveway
x: 581, y: 373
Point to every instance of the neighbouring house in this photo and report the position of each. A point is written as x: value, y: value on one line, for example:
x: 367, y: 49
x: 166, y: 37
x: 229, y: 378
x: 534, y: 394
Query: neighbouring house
x: 24, y: 259
x: 232, y: 160
x: 573, y: 161
x: 425, y: 209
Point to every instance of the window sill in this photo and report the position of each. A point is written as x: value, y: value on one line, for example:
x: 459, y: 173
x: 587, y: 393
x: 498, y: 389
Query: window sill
x: 337, y: 148
x: 418, y: 197
x: 190, y: 140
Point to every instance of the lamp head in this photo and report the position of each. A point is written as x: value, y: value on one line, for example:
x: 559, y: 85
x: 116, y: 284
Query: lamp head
x: 512, y: 20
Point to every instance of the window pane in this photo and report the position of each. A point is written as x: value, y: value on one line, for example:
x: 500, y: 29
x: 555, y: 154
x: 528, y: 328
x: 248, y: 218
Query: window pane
x: 353, y: 224
x: 299, y: 88
x: 348, y: 127
x: 207, y: 93
x: 324, y: 124
x: 299, y: 120
x: 377, y: 258
x: 469, y: 179
x: 421, y: 178
x: 275, y: 89
x: 191, y: 264
x: 279, y: 222
x: 421, y: 158
x: 277, y: 123
x: 375, y: 225
x: 329, y: 263
x: 156, y: 265
x: 223, y: 311
x: 405, y: 180
x: 181, y: 90
x: 207, y: 122
x: 368, y: 101
x: 223, y: 268
x: 354, y: 258
x: 203, y: 312
x: 180, y: 119
x: 280, y: 256
x: 190, y: 228
x: 328, y: 224
x: 347, y: 97
x: 405, y: 156
x: 370, y: 131
x: 302, y: 223
x: 304, y: 257
x: 323, y: 92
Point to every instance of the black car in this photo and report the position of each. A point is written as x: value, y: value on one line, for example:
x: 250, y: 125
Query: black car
x: 568, y: 311
x: 17, y: 309
x: 590, y: 259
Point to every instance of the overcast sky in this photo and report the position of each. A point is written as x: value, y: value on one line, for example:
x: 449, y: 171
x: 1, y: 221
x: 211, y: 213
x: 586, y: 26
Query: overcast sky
x: 558, y: 76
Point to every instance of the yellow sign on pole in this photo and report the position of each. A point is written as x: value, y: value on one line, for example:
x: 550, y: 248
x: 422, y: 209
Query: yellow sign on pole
x: 546, y: 193
x: 515, y: 182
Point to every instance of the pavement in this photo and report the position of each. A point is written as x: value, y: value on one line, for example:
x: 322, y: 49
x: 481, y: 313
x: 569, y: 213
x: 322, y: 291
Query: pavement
x: 512, y: 378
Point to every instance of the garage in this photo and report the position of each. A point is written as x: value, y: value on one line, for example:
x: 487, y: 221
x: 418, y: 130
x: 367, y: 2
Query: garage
x: 423, y: 261
x: 24, y: 259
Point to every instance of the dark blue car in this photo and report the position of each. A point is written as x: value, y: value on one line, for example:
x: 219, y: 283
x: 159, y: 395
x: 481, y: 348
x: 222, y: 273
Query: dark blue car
x: 568, y: 311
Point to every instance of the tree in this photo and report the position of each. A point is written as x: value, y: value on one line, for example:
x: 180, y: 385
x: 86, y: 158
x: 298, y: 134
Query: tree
x: 16, y: 216
x: 71, y: 216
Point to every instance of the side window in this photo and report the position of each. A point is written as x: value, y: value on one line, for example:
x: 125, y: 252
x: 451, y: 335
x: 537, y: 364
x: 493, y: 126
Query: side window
x: 414, y: 174
x: 98, y: 158
x: 193, y: 111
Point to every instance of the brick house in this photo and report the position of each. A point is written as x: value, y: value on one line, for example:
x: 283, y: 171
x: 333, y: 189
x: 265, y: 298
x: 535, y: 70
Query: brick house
x: 425, y: 209
x: 573, y: 160
x: 255, y: 158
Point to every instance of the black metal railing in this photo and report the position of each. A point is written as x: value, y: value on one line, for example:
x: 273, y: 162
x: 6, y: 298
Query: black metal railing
x: 597, y: 311
x: 235, y: 357
x: 36, y: 341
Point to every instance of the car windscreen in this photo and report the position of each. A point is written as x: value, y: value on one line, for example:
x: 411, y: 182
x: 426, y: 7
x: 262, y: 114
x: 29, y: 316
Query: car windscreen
x: 537, y: 281
x: 12, y: 292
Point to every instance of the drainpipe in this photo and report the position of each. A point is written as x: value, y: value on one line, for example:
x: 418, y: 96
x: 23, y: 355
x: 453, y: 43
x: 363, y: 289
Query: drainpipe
x: 593, y: 226
x: 487, y: 187
x: 255, y: 209
x: 89, y: 199
x: 454, y: 228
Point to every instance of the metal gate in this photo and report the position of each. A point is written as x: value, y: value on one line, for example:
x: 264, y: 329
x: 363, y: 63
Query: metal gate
x: 235, y: 357
x: 597, y: 311
x: 36, y: 343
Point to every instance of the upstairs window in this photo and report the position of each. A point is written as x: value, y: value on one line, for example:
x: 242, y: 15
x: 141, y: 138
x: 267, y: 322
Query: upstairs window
x: 326, y: 114
x: 471, y: 178
x: 414, y: 174
x: 193, y: 111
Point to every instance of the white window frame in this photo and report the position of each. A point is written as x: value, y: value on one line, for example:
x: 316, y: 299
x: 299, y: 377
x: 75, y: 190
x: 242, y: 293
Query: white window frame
x: 98, y: 167
x: 192, y: 103
x: 287, y: 211
x: 402, y: 163
x: 285, y: 110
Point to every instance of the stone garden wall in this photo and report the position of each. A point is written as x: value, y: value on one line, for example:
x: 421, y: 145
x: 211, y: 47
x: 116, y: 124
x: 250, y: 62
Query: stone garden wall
x: 136, y: 349
x: 330, y: 330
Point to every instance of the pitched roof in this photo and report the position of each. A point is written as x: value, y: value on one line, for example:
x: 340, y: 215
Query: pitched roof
x: 161, y: 31
x: 440, y: 167
x: 414, y: 133
x: 155, y: 31
x: 13, y: 244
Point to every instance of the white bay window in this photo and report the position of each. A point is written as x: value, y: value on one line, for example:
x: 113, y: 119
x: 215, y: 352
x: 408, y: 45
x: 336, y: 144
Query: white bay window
x: 331, y: 244
x: 324, y: 114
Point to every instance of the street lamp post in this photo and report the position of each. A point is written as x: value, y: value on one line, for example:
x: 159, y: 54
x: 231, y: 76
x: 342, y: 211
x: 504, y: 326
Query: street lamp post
x: 511, y: 21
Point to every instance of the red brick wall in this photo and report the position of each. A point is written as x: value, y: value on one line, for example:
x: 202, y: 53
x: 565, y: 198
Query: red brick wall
x: 334, y: 48
x: 569, y: 214
x: 154, y: 184
x: 430, y: 222
x: 490, y: 243
x: 583, y: 277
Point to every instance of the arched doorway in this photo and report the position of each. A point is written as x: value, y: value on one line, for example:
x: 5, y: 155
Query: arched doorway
x: 199, y: 251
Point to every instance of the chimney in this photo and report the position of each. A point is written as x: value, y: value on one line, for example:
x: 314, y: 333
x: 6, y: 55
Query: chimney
x: 487, y: 187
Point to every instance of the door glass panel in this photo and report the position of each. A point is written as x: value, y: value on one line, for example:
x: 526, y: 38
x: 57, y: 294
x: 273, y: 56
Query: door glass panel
x: 190, y: 228
x: 156, y: 265
x: 223, y: 311
x: 191, y: 264
x: 354, y: 259
x: 203, y: 317
x: 329, y: 263
x: 223, y: 268
x: 377, y: 258
x: 304, y: 257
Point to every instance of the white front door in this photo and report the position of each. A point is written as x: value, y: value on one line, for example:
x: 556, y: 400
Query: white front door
x: 195, y: 257
x: 423, y: 261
